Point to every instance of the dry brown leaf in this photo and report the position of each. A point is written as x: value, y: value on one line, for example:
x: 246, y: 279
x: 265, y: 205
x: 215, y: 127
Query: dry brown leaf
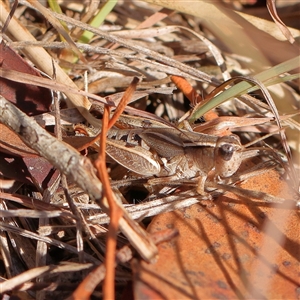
x: 29, y: 98
x: 10, y: 143
x: 283, y: 28
x: 37, y: 170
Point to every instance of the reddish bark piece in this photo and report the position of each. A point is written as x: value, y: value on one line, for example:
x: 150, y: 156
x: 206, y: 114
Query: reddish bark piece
x: 42, y: 173
x: 218, y: 254
x: 14, y: 168
x: 10, y: 143
x: 32, y: 169
x: 30, y: 99
x: 29, y: 170
x: 79, y: 142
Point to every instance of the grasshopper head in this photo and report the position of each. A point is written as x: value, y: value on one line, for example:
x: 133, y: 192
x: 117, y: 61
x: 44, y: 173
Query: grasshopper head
x: 228, y: 155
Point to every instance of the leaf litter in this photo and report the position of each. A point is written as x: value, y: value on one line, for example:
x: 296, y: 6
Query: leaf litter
x: 157, y: 46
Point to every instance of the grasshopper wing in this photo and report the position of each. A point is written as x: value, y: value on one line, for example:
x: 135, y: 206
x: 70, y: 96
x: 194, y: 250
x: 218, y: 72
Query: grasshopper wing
x: 134, y: 158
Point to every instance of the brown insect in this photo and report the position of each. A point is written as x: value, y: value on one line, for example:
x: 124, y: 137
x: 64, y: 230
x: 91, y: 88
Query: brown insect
x: 176, y: 154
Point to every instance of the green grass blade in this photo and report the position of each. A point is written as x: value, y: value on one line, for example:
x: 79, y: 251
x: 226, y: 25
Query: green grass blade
x: 56, y: 8
x: 244, y: 87
x: 98, y: 20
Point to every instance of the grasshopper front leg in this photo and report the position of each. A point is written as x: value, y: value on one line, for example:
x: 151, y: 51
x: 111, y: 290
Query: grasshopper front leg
x: 225, y: 158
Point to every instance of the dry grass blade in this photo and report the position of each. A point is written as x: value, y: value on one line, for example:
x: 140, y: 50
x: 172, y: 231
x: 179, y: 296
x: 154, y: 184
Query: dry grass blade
x: 29, y: 213
x: 47, y: 14
x: 123, y: 255
x: 283, y: 28
x: 47, y: 83
x: 33, y: 273
x: 48, y: 240
x: 130, y: 45
x: 30, y: 202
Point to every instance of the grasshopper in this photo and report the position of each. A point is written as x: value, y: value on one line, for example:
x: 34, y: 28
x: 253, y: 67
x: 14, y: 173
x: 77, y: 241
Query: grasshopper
x: 154, y: 149
x: 176, y: 154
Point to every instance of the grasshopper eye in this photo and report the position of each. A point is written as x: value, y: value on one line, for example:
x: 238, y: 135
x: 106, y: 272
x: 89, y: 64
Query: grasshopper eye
x: 226, y: 151
x: 228, y: 155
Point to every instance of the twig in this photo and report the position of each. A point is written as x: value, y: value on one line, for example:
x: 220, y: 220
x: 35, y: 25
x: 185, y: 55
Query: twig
x: 78, y: 168
x: 115, y: 211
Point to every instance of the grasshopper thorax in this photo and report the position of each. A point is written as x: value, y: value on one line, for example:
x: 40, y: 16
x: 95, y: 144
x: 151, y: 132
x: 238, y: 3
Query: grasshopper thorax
x: 228, y: 155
